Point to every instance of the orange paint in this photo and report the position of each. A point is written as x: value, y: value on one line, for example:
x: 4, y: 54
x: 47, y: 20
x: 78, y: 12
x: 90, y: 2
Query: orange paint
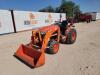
x: 35, y: 56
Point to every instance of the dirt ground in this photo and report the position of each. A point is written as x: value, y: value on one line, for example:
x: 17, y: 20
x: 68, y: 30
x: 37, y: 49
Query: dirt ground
x: 80, y: 58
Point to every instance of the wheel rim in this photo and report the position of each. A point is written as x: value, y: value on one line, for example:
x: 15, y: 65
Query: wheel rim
x: 73, y: 36
x: 64, y: 39
x: 56, y: 47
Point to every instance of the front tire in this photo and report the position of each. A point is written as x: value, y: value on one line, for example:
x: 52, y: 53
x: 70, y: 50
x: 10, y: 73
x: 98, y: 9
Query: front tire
x: 53, y: 47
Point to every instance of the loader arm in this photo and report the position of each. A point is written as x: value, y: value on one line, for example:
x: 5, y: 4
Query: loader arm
x: 48, y: 35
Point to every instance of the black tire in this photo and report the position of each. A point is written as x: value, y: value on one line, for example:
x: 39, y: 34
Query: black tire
x: 52, y: 49
x: 71, y: 39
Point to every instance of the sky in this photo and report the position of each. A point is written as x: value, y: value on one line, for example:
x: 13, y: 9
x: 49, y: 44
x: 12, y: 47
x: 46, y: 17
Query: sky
x: 35, y: 5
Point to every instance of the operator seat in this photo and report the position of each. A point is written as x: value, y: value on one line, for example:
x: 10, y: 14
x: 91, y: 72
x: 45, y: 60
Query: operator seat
x: 63, y: 26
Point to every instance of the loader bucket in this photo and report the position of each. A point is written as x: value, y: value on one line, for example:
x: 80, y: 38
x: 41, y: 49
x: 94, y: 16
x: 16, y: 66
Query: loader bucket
x: 32, y: 57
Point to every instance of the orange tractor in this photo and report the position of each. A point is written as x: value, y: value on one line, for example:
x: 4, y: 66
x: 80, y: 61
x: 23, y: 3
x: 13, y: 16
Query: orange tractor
x: 45, y: 39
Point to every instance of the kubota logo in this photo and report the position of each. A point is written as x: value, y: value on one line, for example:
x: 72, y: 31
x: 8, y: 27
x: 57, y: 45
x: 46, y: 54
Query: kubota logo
x: 49, y: 19
x: 32, y: 20
x: 32, y: 16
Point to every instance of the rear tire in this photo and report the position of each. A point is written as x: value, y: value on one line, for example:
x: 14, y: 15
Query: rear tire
x: 71, y: 36
x: 53, y: 47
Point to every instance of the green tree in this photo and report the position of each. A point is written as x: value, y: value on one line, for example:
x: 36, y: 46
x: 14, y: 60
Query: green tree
x: 77, y: 10
x: 47, y: 9
x: 68, y: 7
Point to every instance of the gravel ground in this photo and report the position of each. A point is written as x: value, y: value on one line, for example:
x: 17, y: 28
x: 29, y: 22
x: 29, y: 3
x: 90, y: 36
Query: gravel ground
x: 80, y: 58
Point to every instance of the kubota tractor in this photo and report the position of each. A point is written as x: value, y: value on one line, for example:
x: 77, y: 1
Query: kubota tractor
x: 45, y: 39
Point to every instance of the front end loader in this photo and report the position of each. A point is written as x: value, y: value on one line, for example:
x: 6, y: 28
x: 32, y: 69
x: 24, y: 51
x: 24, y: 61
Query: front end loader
x: 46, y: 39
x: 43, y: 39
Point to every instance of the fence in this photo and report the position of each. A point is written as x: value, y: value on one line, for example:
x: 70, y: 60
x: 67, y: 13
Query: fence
x: 14, y: 21
x: 6, y: 25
